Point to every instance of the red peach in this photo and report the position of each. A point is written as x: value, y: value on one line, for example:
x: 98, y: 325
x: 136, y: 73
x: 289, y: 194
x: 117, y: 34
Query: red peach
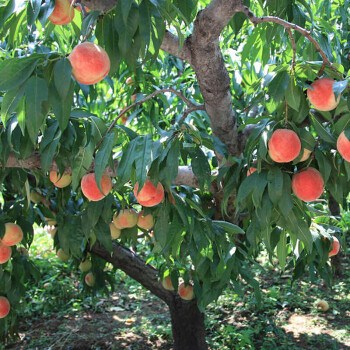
x: 335, y: 247
x: 343, y: 146
x: 90, y: 63
x: 125, y: 219
x: 133, y: 98
x: 149, y: 195
x: 63, y: 13
x: 5, y: 253
x: 90, y: 279
x: 167, y: 284
x: 60, y: 181
x: 307, y: 184
x: 185, y: 292
x: 129, y: 81
x: 13, y: 234
x: 4, y: 307
x: 90, y: 189
x: 145, y: 222
x: 321, y: 96
x: 284, y: 146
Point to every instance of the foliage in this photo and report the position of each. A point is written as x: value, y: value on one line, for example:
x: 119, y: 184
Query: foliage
x: 45, y: 112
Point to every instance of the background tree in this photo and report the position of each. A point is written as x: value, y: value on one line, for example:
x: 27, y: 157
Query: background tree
x: 211, y: 142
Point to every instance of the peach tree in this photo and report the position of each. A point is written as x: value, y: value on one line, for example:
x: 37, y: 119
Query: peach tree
x: 173, y: 139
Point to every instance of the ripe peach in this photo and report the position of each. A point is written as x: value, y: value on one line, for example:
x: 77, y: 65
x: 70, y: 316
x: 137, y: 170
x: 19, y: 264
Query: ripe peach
x: 343, y: 146
x: 321, y: 96
x: 335, y: 247
x: 4, y: 307
x: 60, y: 181
x: 167, y: 284
x: 185, y: 292
x: 307, y: 184
x: 13, y: 234
x: 145, y: 222
x: 284, y: 146
x: 35, y: 197
x: 5, y: 253
x: 133, y: 98
x: 90, y: 279
x: 63, y: 13
x: 322, y: 305
x: 306, y: 155
x: 85, y: 265
x: 149, y: 195
x: 129, y: 81
x: 90, y: 189
x: 62, y: 255
x: 115, y: 232
x: 125, y: 218
x: 90, y: 63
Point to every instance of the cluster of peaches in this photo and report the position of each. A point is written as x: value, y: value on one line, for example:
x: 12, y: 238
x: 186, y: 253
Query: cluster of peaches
x: 148, y: 196
x: 185, y: 291
x: 284, y: 146
x: 13, y: 235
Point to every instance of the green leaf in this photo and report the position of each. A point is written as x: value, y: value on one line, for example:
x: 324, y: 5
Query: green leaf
x: 201, y: 167
x: 278, y: 85
x: 229, y: 228
x: 293, y: 94
x: 339, y: 87
x: 62, y: 77
x: 282, y: 250
x: 6, y: 12
x: 81, y: 163
x: 322, y: 132
x: 275, y: 184
x: 103, y: 235
x: 324, y: 166
x: 33, y: 9
x: 13, y: 72
x: 48, y: 146
x: 89, y: 21
x: 102, y: 157
x: 10, y: 102
x: 143, y: 157
x: 36, y: 94
x: 61, y: 108
x: 169, y: 168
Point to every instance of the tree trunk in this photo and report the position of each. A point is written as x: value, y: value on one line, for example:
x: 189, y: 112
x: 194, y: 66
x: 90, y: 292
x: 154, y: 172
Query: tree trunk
x: 186, y: 319
x: 187, y: 325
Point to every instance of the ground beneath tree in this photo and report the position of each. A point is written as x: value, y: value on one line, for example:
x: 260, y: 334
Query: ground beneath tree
x: 116, y: 328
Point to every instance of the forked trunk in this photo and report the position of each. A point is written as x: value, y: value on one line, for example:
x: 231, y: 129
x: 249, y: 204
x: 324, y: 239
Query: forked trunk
x: 187, y: 326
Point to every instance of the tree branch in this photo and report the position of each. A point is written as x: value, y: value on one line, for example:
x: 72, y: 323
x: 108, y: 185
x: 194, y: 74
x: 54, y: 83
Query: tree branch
x: 264, y: 19
x: 171, y: 45
x: 127, y: 261
x: 184, y: 177
x: 192, y: 108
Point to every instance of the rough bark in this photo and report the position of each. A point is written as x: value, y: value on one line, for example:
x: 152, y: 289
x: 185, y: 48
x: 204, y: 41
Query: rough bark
x: 184, y: 177
x: 187, y: 326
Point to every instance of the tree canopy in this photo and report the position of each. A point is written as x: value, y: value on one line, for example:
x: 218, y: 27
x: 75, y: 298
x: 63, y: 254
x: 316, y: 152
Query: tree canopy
x: 194, y: 93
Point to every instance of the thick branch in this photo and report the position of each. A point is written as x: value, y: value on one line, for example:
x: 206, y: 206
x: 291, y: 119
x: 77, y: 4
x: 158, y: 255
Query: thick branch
x: 127, y: 261
x: 213, y: 77
x: 171, y: 45
x: 184, y: 177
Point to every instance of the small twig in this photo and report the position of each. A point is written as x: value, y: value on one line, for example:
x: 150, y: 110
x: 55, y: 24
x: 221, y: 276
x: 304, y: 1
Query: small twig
x: 286, y: 114
x: 264, y: 19
x: 154, y: 93
x: 190, y: 110
x: 293, y: 47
